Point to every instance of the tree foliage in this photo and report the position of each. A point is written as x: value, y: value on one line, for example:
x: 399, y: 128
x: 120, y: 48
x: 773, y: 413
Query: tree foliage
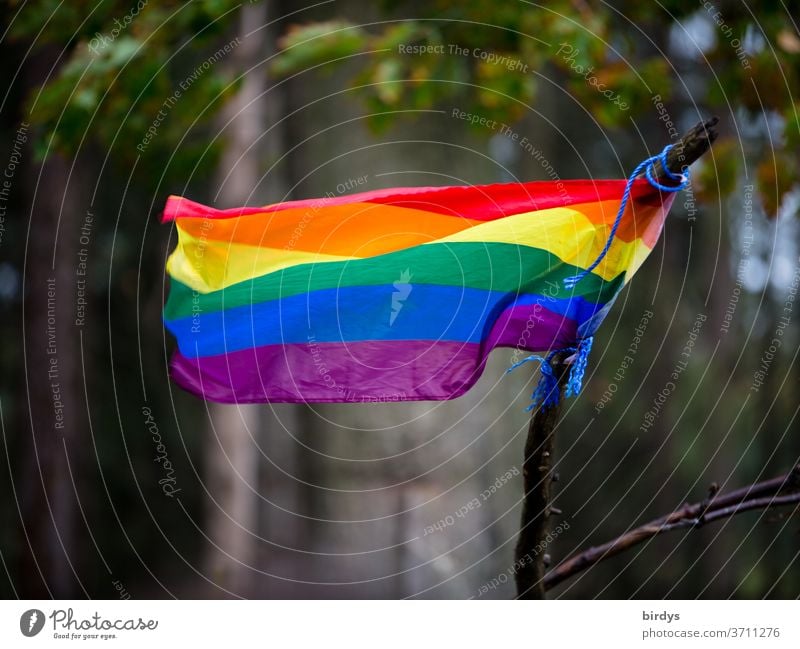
x: 116, y: 68
x: 741, y: 60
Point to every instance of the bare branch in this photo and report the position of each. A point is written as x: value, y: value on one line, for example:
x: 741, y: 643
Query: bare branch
x: 762, y: 495
x: 691, y: 146
x: 537, y: 477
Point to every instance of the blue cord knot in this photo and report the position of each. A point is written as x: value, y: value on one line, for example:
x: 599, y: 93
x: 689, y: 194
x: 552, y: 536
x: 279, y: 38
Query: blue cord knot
x: 646, y: 166
x: 579, y: 362
x: 547, y: 392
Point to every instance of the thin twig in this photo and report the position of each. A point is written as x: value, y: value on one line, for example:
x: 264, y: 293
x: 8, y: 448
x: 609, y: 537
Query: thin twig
x: 762, y: 495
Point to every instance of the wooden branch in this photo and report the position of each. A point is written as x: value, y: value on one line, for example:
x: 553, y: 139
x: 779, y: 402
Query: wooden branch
x: 537, y: 477
x: 694, y: 143
x: 529, y: 557
x: 778, y: 492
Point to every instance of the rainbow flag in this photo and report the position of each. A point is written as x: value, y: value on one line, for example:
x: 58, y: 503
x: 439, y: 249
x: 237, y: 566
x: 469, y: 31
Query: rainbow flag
x: 394, y: 294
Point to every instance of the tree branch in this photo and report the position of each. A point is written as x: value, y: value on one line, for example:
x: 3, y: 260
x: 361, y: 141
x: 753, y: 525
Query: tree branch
x: 694, y: 143
x: 537, y: 478
x: 778, y: 492
x: 538, y: 462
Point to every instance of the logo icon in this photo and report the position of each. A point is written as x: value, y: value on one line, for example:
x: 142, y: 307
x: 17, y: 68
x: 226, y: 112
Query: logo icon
x: 31, y: 622
x: 400, y: 295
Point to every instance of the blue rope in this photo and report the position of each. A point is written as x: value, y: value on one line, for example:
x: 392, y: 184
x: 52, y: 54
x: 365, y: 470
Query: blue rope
x: 547, y: 392
x: 579, y: 363
x: 647, y: 167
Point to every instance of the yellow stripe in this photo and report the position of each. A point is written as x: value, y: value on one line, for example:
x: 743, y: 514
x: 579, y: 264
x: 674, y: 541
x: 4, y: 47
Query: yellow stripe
x: 564, y: 232
x: 207, y: 265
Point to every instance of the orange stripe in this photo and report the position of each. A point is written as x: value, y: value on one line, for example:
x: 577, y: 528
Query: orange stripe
x: 368, y: 229
x: 355, y: 229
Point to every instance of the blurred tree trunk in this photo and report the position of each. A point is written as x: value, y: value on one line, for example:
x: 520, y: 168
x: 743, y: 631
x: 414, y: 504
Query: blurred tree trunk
x: 54, y: 433
x: 50, y: 415
x: 232, y: 455
x: 255, y: 469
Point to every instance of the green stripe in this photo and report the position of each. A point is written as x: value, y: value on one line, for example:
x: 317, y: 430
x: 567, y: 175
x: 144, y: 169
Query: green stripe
x: 491, y: 266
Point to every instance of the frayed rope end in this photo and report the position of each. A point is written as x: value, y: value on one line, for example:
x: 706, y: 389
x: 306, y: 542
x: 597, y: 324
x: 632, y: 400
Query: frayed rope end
x: 547, y: 392
x: 579, y: 362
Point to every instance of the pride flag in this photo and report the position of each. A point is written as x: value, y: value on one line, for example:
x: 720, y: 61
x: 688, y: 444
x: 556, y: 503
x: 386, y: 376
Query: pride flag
x: 394, y: 294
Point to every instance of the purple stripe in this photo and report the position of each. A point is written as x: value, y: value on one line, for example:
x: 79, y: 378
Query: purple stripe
x: 532, y: 328
x: 368, y: 371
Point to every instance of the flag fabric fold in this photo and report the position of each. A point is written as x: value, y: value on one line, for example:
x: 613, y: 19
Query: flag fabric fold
x: 395, y: 294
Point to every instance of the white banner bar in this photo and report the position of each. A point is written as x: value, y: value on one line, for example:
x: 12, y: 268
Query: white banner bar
x: 389, y: 624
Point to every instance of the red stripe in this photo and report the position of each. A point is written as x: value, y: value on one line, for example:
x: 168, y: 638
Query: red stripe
x: 480, y: 202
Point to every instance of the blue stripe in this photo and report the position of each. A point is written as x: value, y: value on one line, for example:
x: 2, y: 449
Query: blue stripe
x: 356, y: 313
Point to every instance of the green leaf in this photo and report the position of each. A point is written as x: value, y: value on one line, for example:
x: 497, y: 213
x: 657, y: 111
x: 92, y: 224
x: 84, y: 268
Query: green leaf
x: 310, y: 45
x: 388, y: 75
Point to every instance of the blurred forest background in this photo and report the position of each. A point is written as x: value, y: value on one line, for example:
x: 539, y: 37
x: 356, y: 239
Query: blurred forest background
x: 117, y: 484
